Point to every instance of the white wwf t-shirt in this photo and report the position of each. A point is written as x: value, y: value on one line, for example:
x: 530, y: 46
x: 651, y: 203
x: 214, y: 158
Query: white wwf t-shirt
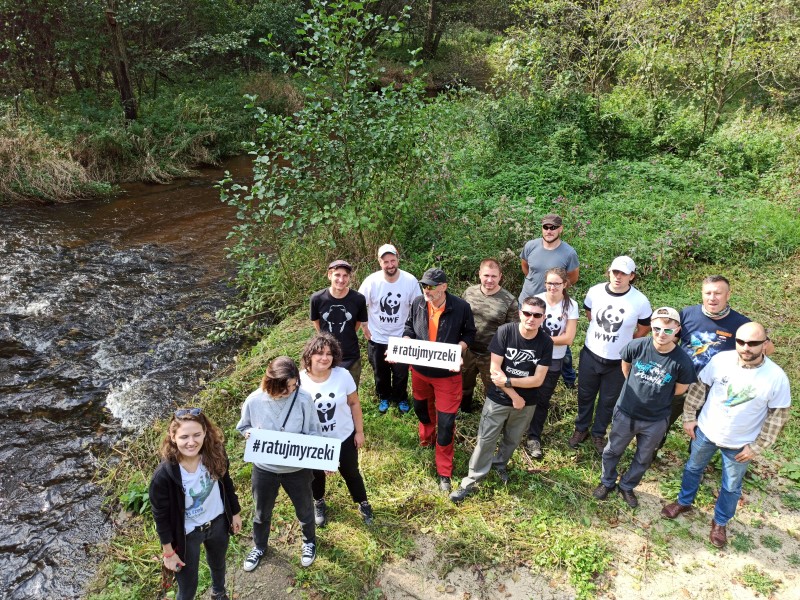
x: 737, y: 404
x: 330, y: 400
x: 388, y: 303
x: 555, y: 321
x: 614, y: 319
x: 203, y: 500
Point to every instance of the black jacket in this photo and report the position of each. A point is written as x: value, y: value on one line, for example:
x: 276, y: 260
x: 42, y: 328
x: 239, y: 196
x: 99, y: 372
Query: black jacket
x: 169, y: 504
x: 455, y: 325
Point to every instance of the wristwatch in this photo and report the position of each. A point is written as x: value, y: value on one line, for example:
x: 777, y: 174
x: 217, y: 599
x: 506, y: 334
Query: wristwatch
x: 508, y: 382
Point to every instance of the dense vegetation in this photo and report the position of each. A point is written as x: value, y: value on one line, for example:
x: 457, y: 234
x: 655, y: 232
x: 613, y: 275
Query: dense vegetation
x: 664, y: 130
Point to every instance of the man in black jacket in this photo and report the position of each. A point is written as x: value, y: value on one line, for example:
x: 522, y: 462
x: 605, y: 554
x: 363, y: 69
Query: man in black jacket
x: 438, y: 316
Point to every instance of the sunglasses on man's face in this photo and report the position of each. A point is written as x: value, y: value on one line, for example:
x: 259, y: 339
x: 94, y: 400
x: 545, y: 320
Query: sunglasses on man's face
x: 528, y: 314
x: 428, y: 288
x: 750, y: 344
x: 550, y: 227
x: 663, y: 330
x: 187, y: 412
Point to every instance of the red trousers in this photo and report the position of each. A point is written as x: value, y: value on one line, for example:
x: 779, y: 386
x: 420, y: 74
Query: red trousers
x: 436, y: 402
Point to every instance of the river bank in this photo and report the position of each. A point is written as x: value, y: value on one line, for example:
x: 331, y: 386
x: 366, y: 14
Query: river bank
x: 105, y: 306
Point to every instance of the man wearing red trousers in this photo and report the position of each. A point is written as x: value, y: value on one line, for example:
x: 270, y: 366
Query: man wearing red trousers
x: 438, y: 316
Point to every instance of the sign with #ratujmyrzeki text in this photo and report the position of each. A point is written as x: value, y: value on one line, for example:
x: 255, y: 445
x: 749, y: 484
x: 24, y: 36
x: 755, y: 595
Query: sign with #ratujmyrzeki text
x: 424, y: 353
x: 292, y: 450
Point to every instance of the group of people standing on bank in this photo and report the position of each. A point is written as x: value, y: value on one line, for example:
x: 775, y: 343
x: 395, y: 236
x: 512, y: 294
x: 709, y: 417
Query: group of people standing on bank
x: 519, y: 347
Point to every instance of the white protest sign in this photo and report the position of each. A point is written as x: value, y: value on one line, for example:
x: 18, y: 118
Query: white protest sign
x: 424, y: 353
x: 292, y: 450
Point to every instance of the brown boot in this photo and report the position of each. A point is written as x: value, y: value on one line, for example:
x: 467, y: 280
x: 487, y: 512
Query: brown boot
x: 577, y: 438
x: 672, y: 510
x: 718, y: 535
x: 599, y: 444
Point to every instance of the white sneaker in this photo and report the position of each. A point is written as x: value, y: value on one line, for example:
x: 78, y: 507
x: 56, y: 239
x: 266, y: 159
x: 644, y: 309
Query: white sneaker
x: 308, y: 554
x: 252, y: 560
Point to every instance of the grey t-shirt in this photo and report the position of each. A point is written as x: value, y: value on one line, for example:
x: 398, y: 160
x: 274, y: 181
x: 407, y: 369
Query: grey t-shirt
x: 650, y: 386
x: 541, y: 260
x: 262, y: 411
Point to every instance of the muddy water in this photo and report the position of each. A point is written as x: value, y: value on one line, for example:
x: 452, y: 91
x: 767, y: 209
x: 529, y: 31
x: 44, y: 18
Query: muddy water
x: 104, y: 311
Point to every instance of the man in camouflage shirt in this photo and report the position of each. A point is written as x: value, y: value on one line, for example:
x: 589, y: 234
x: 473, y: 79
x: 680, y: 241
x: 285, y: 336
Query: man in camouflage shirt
x: 492, y: 306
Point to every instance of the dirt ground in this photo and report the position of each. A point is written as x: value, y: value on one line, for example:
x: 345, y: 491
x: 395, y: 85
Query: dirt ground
x: 658, y: 559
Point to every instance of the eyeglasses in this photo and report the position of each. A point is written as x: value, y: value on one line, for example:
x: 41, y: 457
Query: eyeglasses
x: 550, y: 227
x: 662, y: 330
x: 186, y: 412
x: 750, y: 344
x: 427, y: 287
x: 554, y: 283
x: 528, y: 314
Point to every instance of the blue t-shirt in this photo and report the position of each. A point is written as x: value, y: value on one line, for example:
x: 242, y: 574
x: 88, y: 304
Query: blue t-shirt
x: 702, y: 337
x: 650, y: 386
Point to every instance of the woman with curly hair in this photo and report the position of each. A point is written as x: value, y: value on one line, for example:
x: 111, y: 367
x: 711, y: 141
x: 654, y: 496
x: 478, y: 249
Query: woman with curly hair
x: 335, y: 397
x: 194, y: 502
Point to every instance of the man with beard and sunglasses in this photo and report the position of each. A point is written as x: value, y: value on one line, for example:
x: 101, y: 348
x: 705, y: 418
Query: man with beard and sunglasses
x: 746, y: 401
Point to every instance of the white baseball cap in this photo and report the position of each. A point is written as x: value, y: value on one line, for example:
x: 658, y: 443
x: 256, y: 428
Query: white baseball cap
x: 624, y: 264
x: 387, y: 248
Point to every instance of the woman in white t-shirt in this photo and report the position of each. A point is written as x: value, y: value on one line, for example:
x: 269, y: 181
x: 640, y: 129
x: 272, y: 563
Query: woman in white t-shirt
x: 561, y: 323
x: 339, y: 411
x: 193, y: 500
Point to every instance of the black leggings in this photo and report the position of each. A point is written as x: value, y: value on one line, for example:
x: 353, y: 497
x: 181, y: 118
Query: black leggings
x: 348, y: 469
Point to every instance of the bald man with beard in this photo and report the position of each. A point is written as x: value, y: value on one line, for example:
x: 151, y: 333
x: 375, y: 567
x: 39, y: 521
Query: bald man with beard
x: 746, y: 402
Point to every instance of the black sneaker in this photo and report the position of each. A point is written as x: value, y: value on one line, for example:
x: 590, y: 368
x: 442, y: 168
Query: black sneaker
x: 459, y: 495
x: 222, y: 596
x: 308, y: 554
x: 601, y: 492
x: 444, y: 483
x: 629, y: 497
x: 320, y: 512
x: 252, y: 560
x: 366, y: 512
x: 534, y: 448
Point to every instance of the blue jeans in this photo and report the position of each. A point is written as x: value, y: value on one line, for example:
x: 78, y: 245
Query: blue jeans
x: 733, y: 472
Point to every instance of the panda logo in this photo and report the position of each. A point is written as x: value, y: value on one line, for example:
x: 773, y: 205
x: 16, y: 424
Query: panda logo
x: 325, y: 408
x: 610, y: 320
x: 336, y: 317
x: 553, y: 324
x: 390, y: 303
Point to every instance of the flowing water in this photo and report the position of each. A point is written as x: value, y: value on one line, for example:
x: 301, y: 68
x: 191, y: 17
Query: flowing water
x: 104, y: 311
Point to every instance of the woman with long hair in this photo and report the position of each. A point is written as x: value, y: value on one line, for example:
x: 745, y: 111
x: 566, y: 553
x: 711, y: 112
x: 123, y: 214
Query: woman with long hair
x: 339, y: 411
x: 194, y: 501
x: 279, y: 404
x: 561, y: 322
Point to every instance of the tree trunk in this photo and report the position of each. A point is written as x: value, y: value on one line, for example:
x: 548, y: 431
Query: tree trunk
x: 432, y: 30
x: 121, y: 69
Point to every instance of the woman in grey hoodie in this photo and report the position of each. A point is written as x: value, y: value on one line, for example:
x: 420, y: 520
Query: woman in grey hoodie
x: 280, y: 405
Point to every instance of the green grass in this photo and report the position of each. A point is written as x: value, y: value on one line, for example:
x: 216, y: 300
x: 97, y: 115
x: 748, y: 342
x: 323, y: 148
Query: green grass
x: 758, y: 580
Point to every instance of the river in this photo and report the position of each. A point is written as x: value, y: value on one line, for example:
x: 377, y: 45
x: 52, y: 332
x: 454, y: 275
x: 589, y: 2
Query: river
x: 104, y: 311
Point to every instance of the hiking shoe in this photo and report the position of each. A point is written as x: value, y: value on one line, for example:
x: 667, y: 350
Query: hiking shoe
x: 535, y: 449
x: 308, y: 555
x: 502, y: 473
x: 577, y: 438
x: 599, y: 443
x: 320, y: 512
x: 383, y: 406
x: 601, y: 492
x: 718, y: 536
x: 222, y: 596
x: 366, y: 512
x: 629, y: 497
x: 459, y: 495
x: 444, y: 483
x: 252, y: 560
x: 672, y: 510
x: 403, y: 406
